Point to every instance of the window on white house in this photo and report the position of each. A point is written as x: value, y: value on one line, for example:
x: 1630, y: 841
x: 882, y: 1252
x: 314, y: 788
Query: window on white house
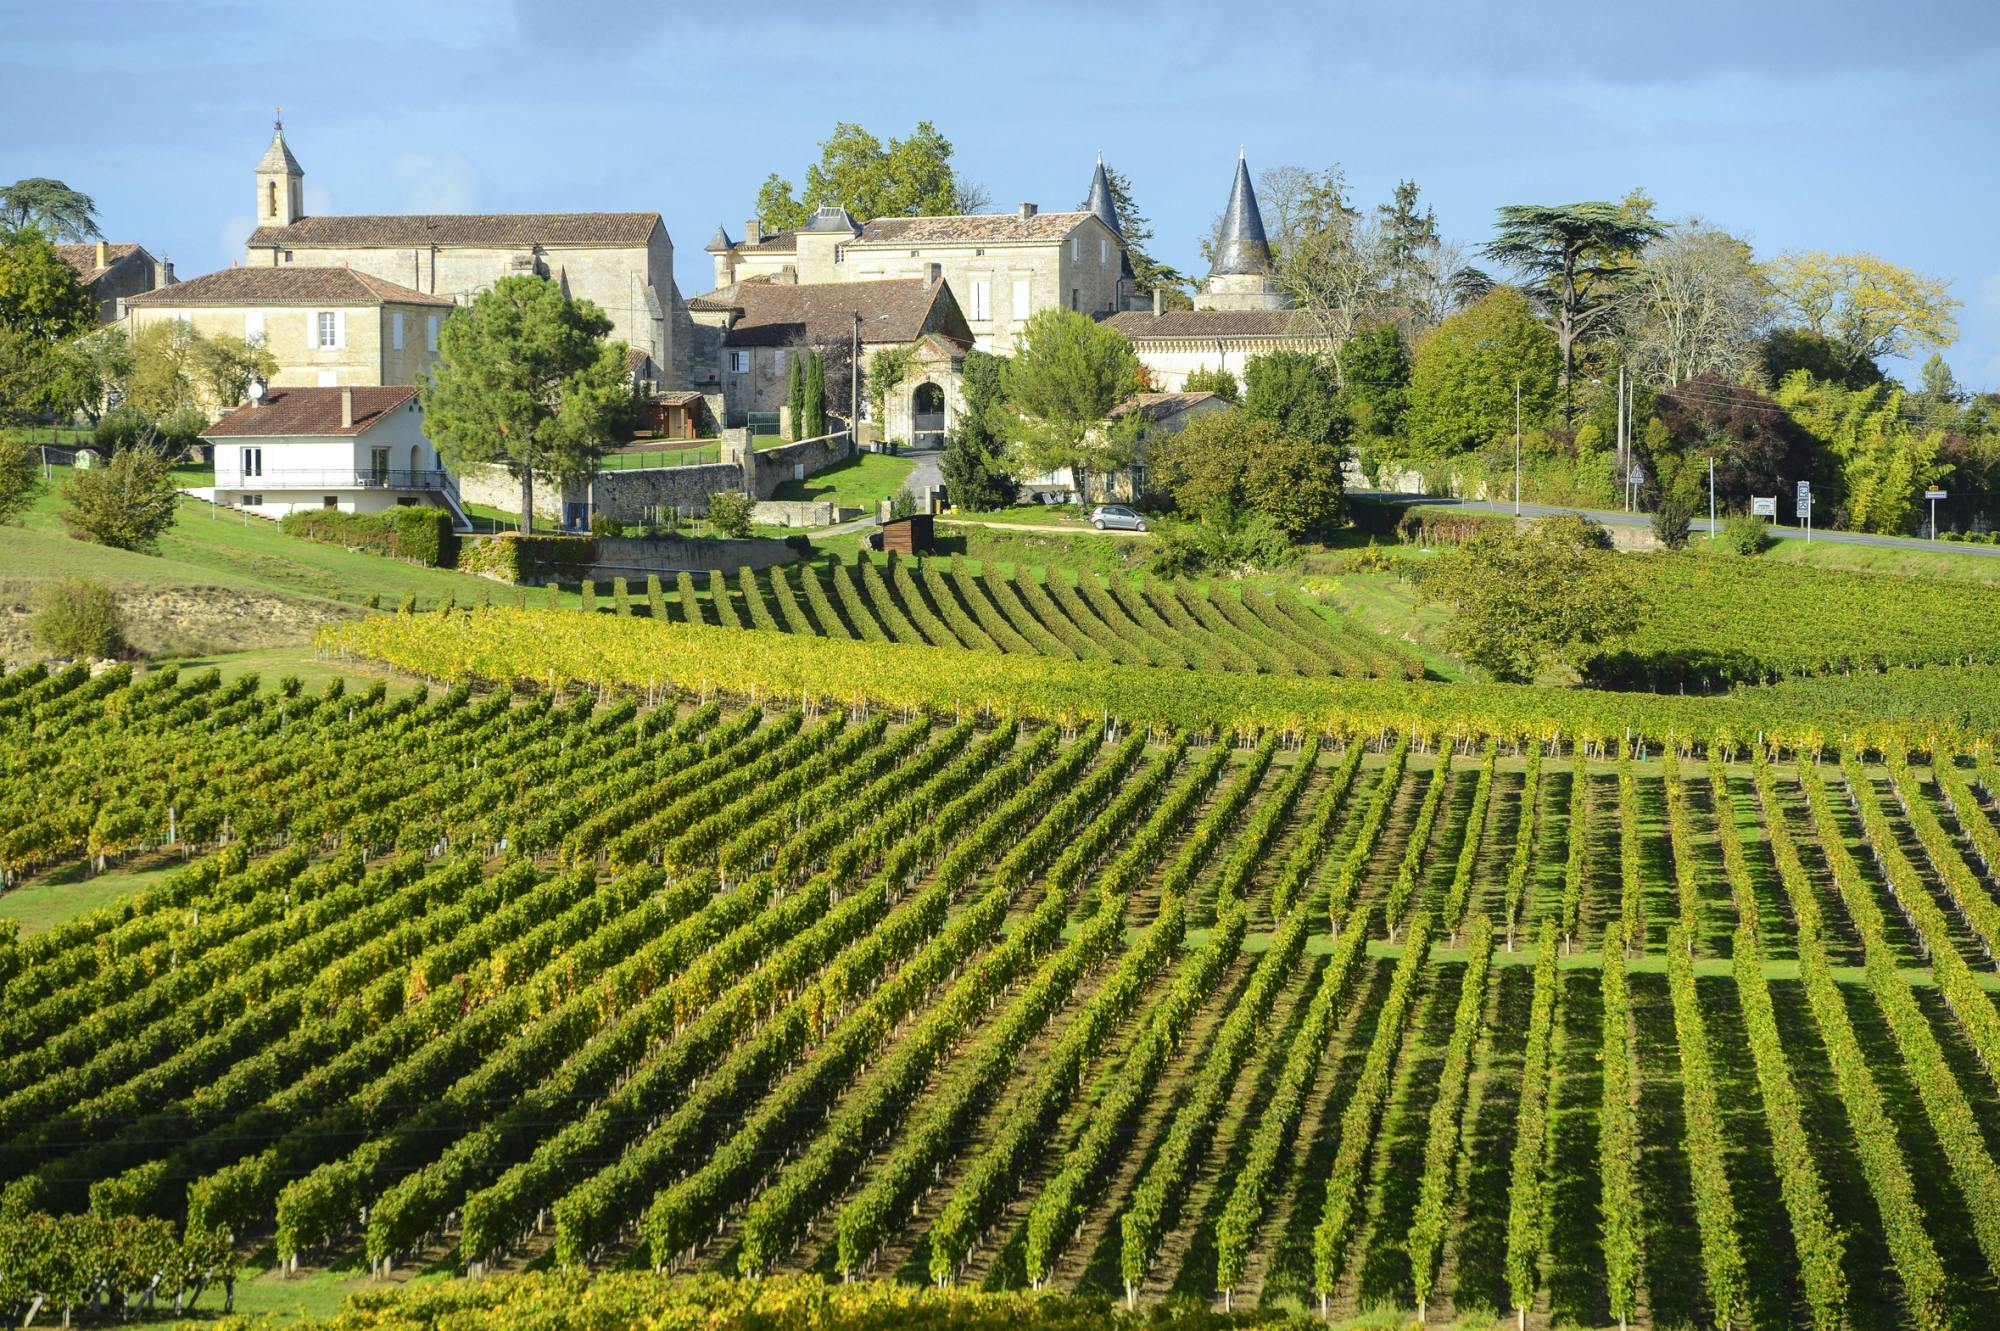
x: 982, y: 301
x: 251, y: 501
x: 253, y: 328
x: 396, y: 331
x: 1020, y: 310
x: 739, y: 361
x: 327, y: 329
x: 249, y: 462
x: 378, y: 465
x: 431, y: 333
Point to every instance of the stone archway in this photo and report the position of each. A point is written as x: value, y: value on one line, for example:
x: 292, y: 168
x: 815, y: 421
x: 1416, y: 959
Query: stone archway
x: 927, y: 415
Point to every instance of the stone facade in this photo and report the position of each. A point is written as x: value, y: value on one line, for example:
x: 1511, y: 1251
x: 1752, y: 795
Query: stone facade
x: 1002, y: 267
x: 621, y: 262
x: 326, y: 328
x: 112, y: 272
x: 1175, y: 343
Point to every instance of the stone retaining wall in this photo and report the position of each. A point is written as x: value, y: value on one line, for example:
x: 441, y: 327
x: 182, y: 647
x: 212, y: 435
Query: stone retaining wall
x: 628, y: 556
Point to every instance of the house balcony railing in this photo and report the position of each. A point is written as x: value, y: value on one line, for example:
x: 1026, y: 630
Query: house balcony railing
x: 338, y: 478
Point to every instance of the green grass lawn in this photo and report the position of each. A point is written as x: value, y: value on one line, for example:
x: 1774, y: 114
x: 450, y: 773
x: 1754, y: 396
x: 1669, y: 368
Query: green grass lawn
x: 1045, y: 515
x: 859, y: 482
x: 67, y: 892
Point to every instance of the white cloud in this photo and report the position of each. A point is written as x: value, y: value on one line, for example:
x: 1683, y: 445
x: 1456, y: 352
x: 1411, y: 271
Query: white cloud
x: 434, y: 183
x: 234, y: 232
x: 318, y: 201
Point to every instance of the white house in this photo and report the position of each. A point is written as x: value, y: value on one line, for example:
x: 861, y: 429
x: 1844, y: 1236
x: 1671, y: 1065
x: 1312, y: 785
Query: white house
x: 360, y: 450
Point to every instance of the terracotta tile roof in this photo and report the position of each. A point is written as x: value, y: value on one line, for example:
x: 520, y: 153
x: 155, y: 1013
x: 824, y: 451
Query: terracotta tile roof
x: 994, y: 228
x: 1141, y: 325
x: 287, y: 285
x: 723, y: 299
x: 678, y: 397
x: 498, y: 229
x: 1158, y: 406
x: 782, y: 314
x: 778, y: 242
x: 83, y: 258
x: 311, y: 411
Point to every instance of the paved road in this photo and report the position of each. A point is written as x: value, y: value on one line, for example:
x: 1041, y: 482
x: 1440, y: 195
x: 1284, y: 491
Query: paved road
x: 1072, y: 529
x: 1613, y: 517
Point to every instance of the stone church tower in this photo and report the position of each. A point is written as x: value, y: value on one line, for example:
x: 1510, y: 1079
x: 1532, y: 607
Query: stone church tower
x: 1240, y: 278
x: 280, y: 183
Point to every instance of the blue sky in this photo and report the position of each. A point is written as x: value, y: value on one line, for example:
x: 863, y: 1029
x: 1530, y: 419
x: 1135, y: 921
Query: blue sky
x: 1832, y: 125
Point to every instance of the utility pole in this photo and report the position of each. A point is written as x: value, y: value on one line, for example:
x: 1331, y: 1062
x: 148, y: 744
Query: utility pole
x: 1711, y: 497
x: 1517, y: 446
x: 1624, y: 463
x: 854, y: 389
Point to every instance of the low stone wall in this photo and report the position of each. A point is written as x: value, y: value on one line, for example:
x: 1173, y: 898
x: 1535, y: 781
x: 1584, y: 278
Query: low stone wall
x: 634, y: 496
x: 626, y: 556
x: 801, y: 513
x: 791, y: 462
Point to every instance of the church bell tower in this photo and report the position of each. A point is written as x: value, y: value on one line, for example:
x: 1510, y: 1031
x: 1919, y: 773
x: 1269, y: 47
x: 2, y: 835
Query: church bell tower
x: 280, y: 182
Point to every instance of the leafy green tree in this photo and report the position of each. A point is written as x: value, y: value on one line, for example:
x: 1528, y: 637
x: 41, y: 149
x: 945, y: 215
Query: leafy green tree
x: 1523, y: 601
x: 1295, y: 481
x: 795, y: 395
x: 127, y: 502
x: 1575, y: 256
x: 1295, y: 391
x: 729, y: 513
x: 1375, y: 388
x: 1223, y: 462
x: 1217, y: 381
x: 983, y: 380
x: 1067, y: 373
x: 525, y: 378
x: 1137, y: 229
x: 50, y: 206
x: 910, y: 177
x: 20, y: 476
x: 1408, y: 235
x: 86, y: 369
x: 1462, y: 381
x: 1787, y: 349
x: 1864, y: 305
x: 40, y: 295
x: 79, y: 618
x: 1696, y: 303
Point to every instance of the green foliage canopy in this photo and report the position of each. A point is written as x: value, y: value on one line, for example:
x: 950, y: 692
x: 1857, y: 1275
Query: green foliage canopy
x: 1065, y: 376
x: 910, y: 177
x: 127, y: 502
x: 1462, y: 381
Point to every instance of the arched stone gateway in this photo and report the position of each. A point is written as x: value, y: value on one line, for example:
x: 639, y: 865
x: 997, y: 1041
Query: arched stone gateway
x: 927, y: 415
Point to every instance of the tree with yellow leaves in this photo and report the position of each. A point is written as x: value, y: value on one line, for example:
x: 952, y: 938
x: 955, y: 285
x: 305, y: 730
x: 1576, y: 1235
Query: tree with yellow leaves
x: 1865, y: 305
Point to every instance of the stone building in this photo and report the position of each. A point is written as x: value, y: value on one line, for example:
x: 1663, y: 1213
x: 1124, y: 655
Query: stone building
x: 113, y: 272
x: 1240, y: 311
x: 621, y: 262
x: 326, y: 327
x: 1002, y: 267
x: 760, y: 327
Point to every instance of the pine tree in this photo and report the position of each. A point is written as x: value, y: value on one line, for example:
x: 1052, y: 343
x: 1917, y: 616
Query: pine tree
x: 815, y: 398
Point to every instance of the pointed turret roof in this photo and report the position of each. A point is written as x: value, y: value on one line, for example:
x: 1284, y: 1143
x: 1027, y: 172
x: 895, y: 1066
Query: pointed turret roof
x: 1241, y: 249
x: 278, y: 157
x: 720, y: 242
x: 1099, y: 205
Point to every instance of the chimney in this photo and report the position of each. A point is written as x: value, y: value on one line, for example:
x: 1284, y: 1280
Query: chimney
x: 166, y: 272
x: 103, y: 255
x: 346, y: 408
x: 753, y: 231
x: 1159, y: 302
x: 1028, y: 210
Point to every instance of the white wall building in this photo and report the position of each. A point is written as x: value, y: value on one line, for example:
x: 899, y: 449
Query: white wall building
x: 359, y: 450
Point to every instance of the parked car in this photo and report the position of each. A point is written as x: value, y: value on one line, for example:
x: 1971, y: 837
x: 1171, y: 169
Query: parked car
x: 1116, y: 517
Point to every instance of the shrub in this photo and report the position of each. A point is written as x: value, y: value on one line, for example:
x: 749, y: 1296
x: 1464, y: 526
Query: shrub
x: 20, y: 477
x: 1671, y: 521
x: 409, y: 605
x: 589, y: 591
x: 125, y: 503
x: 729, y: 512
x: 79, y: 618
x: 414, y: 533
x: 903, y: 505
x: 512, y: 557
x: 1746, y: 534
x: 603, y: 524
x: 621, y: 597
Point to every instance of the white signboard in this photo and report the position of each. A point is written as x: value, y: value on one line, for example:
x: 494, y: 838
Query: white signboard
x: 1933, y: 494
x: 1764, y: 507
x: 1805, y: 495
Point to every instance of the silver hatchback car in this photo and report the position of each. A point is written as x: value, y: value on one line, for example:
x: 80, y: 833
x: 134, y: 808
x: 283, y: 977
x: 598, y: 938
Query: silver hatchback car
x: 1116, y: 517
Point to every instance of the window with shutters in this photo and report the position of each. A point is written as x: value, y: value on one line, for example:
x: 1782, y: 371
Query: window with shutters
x: 739, y: 361
x: 982, y: 301
x: 327, y: 332
x: 1020, y: 310
x: 778, y: 360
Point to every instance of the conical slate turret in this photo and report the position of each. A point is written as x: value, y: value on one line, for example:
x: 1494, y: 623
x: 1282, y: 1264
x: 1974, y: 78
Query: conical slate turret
x: 278, y: 157
x: 1100, y: 205
x: 1241, y: 250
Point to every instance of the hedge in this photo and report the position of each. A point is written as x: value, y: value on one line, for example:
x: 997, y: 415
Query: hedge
x: 512, y: 557
x: 419, y: 534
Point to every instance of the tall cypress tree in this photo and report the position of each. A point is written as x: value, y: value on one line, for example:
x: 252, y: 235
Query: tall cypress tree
x: 796, y: 395
x: 815, y: 398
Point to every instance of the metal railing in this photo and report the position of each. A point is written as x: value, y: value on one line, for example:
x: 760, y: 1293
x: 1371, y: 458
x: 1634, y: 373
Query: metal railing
x: 654, y: 458
x: 352, y: 478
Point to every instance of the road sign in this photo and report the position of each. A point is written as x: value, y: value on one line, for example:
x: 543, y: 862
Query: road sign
x: 1805, y: 495
x: 1933, y: 494
x: 1763, y: 507
x: 1638, y: 477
